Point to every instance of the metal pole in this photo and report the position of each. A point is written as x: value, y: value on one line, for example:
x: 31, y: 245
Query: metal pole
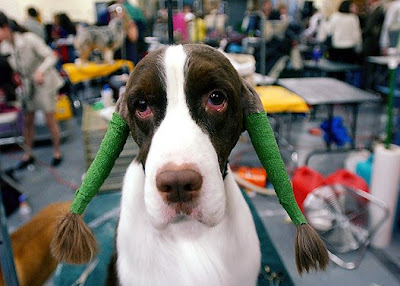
x: 170, y: 24
x: 6, y: 257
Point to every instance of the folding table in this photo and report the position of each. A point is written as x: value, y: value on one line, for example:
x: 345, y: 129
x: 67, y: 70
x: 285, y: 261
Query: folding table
x: 330, y: 92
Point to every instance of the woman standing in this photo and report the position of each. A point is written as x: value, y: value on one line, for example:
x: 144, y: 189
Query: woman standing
x: 344, y: 29
x: 34, y: 61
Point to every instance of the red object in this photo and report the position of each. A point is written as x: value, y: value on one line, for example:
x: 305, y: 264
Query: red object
x: 304, y: 181
x: 315, y: 131
x: 348, y: 179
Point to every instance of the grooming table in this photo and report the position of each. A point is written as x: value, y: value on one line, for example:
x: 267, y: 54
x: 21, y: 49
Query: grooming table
x: 102, y: 216
x: 277, y: 99
x: 330, y: 92
x: 378, y: 73
x: 92, y: 71
x: 324, y: 67
x: 79, y: 73
x: 280, y: 104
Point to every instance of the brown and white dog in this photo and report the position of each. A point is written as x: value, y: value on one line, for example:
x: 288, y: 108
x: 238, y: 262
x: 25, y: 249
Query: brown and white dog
x: 183, y: 218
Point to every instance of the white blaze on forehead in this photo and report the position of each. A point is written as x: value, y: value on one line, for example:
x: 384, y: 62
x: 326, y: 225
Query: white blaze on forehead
x: 175, y: 59
x: 180, y: 141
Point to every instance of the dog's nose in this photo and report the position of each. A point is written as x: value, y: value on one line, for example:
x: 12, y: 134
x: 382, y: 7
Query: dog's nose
x: 179, y: 185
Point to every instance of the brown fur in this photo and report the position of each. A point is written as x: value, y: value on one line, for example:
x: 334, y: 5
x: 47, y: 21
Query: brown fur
x: 310, y: 251
x: 73, y: 241
x: 31, y: 246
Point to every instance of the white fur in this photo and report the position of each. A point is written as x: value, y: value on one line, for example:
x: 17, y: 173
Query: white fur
x: 217, y: 244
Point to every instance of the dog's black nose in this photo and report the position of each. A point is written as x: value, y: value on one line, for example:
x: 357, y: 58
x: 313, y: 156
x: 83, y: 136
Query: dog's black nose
x: 179, y: 184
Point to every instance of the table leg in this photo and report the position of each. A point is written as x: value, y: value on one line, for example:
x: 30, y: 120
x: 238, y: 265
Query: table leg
x: 329, y: 131
x: 354, y: 125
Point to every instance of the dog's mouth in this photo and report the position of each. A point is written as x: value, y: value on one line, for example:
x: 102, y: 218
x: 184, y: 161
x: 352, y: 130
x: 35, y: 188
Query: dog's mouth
x: 183, y: 211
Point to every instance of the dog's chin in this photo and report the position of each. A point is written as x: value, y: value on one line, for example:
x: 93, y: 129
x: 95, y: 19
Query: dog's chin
x: 175, y: 214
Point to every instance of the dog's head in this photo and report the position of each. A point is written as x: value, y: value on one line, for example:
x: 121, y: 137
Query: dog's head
x: 116, y: 25
x: 185, y: 108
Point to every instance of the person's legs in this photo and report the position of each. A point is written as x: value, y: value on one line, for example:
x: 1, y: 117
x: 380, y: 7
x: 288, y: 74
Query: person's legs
x: 29, y: 133
x: 54, y: 129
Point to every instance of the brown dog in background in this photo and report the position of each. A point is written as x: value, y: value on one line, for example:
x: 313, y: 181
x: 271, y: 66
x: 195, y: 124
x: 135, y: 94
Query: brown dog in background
x: 31, y: 246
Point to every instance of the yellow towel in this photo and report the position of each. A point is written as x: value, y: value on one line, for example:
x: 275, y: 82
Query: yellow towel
x: 277, y: 99
x: 78, y: 73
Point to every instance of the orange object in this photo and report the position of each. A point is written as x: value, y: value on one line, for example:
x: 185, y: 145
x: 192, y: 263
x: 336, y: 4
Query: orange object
x: 315, y: 131
x: 304, y: 181
x: 257, y: 176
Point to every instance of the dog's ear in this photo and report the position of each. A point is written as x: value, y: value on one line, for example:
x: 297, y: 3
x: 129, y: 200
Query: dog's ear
x: 73, y: 241
x: 121, y: 107
x: 309, y: 248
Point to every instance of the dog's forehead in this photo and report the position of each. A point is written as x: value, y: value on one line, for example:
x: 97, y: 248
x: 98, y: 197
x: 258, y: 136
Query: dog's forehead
x: 198, y: 60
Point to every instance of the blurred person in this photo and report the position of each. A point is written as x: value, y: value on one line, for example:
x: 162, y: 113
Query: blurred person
x: 137, y: 15
x: 391, y: 27
x: 129, y: 49
x: 284, y: 14
x: 314, y: 26
x: 34, y: 61
x: 372, y: 29
x: 344, y: 29
x: 32, y: 23
x: 189, y: 16
x: 63, y: 34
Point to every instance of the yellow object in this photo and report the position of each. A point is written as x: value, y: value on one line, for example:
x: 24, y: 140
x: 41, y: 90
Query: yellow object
x: 277, y: 99
x: 63, y: 110
x: 78, y: 73
x: 200, y: 31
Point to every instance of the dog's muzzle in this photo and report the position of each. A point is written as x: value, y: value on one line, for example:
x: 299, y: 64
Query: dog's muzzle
x: 179, y: 184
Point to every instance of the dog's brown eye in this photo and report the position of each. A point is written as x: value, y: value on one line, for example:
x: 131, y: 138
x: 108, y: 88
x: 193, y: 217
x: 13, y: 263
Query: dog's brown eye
x: 142, y: 109
x: 216, y: 101
x: 142, y: 105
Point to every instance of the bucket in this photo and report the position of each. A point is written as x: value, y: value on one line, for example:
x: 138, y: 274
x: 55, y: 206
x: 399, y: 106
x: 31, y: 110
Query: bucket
x: 348, y: 179
x: 304, y: 181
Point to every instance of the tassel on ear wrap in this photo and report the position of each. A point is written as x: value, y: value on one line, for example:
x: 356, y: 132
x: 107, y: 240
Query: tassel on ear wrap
x: 73, y: 241
x: 311, y: 252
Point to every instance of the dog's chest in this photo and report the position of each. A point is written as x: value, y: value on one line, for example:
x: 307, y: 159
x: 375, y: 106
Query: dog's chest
x: 210, y: 260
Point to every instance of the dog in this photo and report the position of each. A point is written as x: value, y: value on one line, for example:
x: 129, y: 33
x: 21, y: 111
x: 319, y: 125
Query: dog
x: 107, y: 39
x: 30, y: 245
x: 183, y: 218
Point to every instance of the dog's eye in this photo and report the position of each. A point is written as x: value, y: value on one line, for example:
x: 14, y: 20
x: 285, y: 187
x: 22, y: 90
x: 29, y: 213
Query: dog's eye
x: 142, y: 108
x: 216, y: 101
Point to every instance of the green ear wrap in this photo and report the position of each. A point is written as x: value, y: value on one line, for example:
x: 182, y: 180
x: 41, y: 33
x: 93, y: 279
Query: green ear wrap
x: 263, y: 139
x: 110, y: 148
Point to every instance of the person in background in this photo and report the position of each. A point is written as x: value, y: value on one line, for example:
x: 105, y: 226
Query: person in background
x: 314, y: 26
x: 372, y: 29
x: 137, y: 15
x: 345, y: 31
x: 104, y: 16
x: 32, y: 23
x: 391, y: 25
x: 63, y: 27
x: 129, y: 49
x: 34, y: 61
x: 63, y: 34
x: 283, y: 11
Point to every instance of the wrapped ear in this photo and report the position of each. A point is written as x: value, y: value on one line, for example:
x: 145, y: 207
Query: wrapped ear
x: 73, y: 241
x: 311, y: 252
